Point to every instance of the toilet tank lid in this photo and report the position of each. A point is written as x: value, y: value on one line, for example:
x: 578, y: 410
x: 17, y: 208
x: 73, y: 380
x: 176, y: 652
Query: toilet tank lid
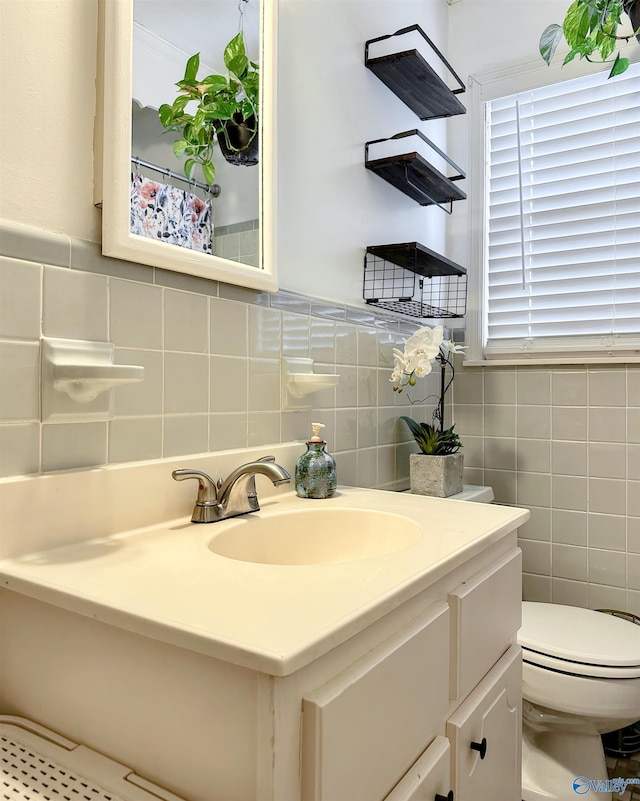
x: 579, y: 635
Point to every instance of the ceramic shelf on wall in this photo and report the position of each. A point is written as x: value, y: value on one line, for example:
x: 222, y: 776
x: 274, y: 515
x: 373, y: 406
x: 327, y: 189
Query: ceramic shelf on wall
x: 299, y: 381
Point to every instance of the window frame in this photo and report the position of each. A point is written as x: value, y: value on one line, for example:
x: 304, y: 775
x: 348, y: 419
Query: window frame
x: 510, y: 79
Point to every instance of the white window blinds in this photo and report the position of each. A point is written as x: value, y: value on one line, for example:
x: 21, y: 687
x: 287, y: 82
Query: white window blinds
x: 562, y: 247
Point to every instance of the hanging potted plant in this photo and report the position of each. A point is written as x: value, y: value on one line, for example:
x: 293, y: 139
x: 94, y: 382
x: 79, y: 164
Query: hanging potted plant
x: 437, y: 469
x: 227, y: 110
x: 591, y: 27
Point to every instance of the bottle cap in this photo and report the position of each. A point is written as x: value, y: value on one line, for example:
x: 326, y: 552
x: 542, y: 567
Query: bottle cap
x: 315, y: 437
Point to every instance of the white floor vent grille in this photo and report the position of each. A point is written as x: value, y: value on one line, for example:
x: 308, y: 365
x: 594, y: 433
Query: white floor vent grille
x: 40, y: 765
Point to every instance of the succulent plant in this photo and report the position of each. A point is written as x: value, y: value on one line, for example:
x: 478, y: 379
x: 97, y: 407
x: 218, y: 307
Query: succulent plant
x: 431, y: 440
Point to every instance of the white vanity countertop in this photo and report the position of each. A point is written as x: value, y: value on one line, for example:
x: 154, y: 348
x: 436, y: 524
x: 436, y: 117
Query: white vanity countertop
x: 164, y: 582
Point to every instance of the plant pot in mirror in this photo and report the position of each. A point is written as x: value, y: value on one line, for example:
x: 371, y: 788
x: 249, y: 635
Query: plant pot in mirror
x: 239, y: 141
x: 632, y: 8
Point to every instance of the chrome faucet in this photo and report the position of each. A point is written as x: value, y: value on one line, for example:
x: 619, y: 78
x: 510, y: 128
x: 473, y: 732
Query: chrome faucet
x: 236, y: 494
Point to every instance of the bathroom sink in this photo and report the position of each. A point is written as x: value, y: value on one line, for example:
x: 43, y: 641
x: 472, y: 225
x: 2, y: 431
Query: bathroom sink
x: 315, y: 536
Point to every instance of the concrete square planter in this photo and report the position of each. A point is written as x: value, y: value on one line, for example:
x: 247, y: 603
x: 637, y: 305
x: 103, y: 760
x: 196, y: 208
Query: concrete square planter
x: 439, y: 476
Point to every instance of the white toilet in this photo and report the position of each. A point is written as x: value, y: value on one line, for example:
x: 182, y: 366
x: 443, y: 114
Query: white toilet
x: 581, y: 678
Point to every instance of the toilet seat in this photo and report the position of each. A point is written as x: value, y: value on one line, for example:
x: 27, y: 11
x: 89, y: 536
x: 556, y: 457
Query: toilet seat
x: 580, y: 642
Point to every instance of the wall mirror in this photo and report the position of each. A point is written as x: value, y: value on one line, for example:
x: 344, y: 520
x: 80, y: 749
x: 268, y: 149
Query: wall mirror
x: 151, y: 213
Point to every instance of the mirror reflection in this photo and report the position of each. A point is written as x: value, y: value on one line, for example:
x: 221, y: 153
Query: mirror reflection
x: 194, y: 159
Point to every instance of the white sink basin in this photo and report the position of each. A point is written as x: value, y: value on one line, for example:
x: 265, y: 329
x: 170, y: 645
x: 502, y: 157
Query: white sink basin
x: 315, y: 536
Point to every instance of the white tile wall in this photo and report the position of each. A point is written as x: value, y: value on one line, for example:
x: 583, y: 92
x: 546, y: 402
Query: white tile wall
x: 574, y: 432
x: 211, y: 355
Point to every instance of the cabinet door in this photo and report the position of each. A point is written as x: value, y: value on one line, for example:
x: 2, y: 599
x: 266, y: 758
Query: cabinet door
x: 364, y: 729
x: 428, y: 777
x: 486, y: 614
x: 485, y: 736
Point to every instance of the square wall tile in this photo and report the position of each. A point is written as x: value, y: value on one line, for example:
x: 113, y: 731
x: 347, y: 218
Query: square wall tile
x: 135, y: 314
x: 75, y: 305
x: 533, y: 422
x: 503, y: 483
x: 265, y: 331
x: 607, y: 424
x: 322, y: 341
x: 633, y: 534
x: 229, y: 384
x: 533, y: 455
x: 536, y: 588
x: 569, y: 492
x: 468, y: 387
x: 499, y: 421
x: 227, y: 431
x: 186, y: 383
x: 347, y: 389
x: 367, y: 347
x: 569, y: 561
x: 533, y: 489
x: 20, y: 299
x: 264, y: 386
x: 569, y: 458
x: 228, y: 327
x: 608, y: 531
x: 367, y: 386
x: 607, y: 460
x: 569, y: 423
x: 367, y: 427
x: 19, y: 381
x: 186, y: 322
x: 569, y: 527
x: 607, y: 567
x: 607, y: 495
x: 19, y: 449
x: 608, y: 387
x: 135, y: 439
x: 72, y: 445
x: 569, y: 593
x: 295, y: 335
x: 500, y: 386
x: 347, y: 429
x: 185, y: 433
x: 500, y: 453
x: 569, y: 388
x: 346, y: 344
x: 533, y: 387
x: 264, y: 428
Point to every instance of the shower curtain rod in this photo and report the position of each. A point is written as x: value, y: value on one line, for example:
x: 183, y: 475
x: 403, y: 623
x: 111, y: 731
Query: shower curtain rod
x: 214, y: 189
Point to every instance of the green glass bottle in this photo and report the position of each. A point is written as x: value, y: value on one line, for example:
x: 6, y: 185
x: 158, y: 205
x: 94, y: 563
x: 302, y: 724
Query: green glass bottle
x: 316, y: 474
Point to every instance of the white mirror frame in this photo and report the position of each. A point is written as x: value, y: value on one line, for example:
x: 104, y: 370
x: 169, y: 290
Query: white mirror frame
x: 113, y: 171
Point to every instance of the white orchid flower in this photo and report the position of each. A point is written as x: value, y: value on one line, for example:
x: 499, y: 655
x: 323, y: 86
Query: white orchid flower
x: 452, y: 347
x: 426, y: 339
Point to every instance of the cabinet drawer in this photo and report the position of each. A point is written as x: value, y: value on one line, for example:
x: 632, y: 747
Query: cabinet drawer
x: 363, y: 729
x: 491, y: 717
x: 486, y: 614
x: 428, y: 776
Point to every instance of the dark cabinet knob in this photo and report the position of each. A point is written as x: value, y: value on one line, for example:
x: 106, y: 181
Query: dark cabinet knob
x: 480, y: 747
x: 447, y: 797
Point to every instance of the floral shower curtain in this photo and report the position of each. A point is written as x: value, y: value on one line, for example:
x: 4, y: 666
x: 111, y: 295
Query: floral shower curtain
x: 164, y: 212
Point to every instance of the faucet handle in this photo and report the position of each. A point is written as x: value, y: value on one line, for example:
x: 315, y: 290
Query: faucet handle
x: 207, y: 508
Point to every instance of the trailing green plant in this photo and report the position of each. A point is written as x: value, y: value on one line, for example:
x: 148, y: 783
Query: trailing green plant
x: 590, y: 27
x: 432, y: 440
x: 219, y: 98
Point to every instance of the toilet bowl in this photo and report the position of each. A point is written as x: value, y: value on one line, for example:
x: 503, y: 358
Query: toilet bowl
x: 581, y: 678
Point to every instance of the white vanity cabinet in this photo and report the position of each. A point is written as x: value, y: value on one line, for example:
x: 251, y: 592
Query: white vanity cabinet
x: 370, y: 680
x: 455, y: 671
